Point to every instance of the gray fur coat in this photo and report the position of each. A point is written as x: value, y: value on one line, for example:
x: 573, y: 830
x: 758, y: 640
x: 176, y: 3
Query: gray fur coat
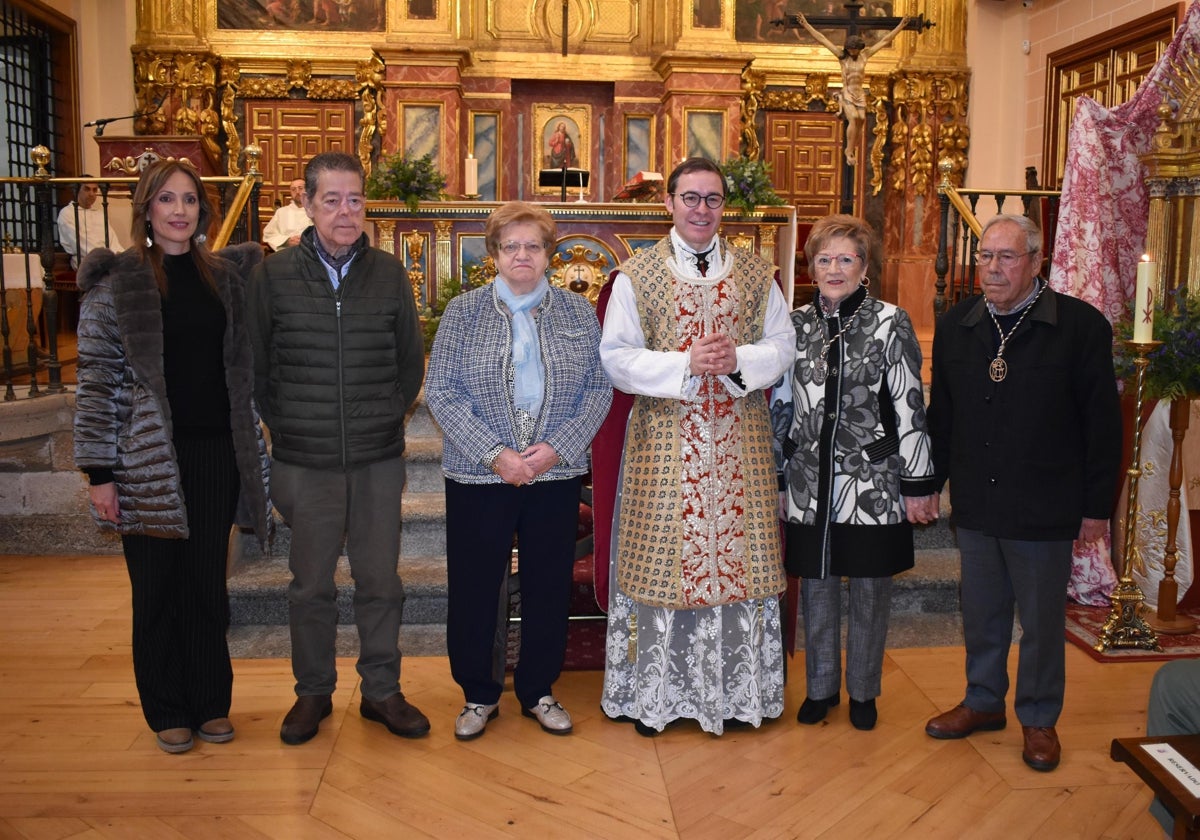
x: 122, y: 417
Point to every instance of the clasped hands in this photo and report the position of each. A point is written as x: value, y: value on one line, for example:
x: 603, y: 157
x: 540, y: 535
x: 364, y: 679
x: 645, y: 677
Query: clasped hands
x: 517, y: 468
x: 715, y: 354
x: 921, y: 510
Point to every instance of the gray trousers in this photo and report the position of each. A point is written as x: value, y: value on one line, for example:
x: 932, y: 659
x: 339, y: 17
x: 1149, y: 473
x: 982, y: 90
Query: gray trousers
x: 1174, y: 710
x: 363, y: 507
x: 998, y: 575
x: 866, y: 635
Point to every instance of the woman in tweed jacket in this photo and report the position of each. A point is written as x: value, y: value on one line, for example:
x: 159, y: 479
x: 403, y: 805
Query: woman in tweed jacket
x: 515, y: 382
x: 856, y: 462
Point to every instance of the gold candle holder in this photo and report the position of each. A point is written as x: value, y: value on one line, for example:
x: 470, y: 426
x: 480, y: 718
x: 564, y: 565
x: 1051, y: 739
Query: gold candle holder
x: 1125, y: 627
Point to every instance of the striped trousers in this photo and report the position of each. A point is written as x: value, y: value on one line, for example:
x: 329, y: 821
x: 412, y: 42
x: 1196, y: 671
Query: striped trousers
x: 180, y: 602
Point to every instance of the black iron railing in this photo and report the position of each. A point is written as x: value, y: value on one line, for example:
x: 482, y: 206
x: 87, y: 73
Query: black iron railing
x: 35, y: 270
x: 958, y: 232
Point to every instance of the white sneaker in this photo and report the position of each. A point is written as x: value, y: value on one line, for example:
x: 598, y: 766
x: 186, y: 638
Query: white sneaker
x: 551, y: 715
x: 473, y: 719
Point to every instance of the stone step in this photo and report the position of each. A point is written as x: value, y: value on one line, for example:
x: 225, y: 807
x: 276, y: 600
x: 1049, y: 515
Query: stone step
x: 258, y: 589
x: 271, y: 641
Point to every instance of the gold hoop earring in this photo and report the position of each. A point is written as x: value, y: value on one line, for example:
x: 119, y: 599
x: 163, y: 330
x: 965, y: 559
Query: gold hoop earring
x: 865, y: 282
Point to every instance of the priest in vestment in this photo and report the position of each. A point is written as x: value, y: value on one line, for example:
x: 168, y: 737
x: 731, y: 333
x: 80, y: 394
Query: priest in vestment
x: 696, y: 330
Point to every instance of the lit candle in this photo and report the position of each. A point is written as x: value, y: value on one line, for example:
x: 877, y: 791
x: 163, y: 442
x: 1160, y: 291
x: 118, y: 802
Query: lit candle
x: 1143, y: 301
x: 471, y: 175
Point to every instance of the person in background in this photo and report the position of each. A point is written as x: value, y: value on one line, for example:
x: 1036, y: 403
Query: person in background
x: 166, y: 430
x: 1174, y: 709
x: 289, y: 221
x: 338, y: 359
x: 856, y: 464
x: 1026, y: 427
x: 696, y: 330
x: 516, y: 385
x: 82, y: 226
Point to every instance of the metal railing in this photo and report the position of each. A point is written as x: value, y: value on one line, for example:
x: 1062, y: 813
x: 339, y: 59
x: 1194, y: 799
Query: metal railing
x: 959, y: 228
x: 32, y: 238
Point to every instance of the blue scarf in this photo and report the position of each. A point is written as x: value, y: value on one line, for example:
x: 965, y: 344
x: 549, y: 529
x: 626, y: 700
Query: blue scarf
x: 529, y: 382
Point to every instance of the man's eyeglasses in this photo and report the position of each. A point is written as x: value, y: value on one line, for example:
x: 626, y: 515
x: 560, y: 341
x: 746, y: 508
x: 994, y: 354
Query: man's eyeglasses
x: 332, y: 203
x: 692, y: 199
x: 1003, y: 258
x: 844, y: 261
x: 532, y: 248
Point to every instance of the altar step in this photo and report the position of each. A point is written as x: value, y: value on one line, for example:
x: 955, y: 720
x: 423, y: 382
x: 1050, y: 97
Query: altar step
x: 924, y: 604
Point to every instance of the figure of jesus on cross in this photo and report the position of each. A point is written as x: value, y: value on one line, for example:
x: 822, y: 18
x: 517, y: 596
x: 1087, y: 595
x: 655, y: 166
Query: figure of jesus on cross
x: 853, y: 59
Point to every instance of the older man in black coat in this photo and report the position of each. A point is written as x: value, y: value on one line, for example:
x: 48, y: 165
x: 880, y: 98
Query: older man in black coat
x: 1025, y: 423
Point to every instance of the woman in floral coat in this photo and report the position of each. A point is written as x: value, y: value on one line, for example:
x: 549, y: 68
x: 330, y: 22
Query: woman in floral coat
x: 855, y: 454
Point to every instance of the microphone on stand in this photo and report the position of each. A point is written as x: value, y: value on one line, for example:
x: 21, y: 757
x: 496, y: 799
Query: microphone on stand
x: 104, y: 121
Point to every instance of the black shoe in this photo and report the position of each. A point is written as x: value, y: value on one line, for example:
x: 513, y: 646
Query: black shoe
x: 644, y: 730
x: 814, y: 711
x: 863, y: 713
x: 303, y: 721
x: 397, y: 714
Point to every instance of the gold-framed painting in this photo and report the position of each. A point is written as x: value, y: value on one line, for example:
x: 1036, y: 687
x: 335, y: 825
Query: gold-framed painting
x: 562, y: 137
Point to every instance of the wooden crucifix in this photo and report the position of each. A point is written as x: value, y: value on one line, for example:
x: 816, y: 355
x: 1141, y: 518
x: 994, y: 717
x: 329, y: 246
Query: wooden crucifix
x: 853, y: 57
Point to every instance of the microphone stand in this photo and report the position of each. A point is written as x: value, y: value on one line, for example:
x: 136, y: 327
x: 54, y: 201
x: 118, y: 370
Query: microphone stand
x: 103, y: 121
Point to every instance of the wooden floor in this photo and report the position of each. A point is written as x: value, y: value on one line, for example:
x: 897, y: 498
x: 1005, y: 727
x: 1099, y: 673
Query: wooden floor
x: 76, y: 759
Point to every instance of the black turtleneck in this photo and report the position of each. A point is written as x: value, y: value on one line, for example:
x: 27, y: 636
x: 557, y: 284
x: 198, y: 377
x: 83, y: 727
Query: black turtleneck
x: 193, y: 351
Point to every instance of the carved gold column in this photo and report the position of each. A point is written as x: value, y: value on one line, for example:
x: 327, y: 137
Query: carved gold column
x: 441, y: 234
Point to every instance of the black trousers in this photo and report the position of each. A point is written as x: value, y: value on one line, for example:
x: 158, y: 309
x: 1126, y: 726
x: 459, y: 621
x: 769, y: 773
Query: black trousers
x: 480, y: 522
x: 180, y: 602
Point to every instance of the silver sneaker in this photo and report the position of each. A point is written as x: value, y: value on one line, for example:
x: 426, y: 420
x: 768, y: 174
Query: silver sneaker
x: 473, y: 719
x: 551, y: 715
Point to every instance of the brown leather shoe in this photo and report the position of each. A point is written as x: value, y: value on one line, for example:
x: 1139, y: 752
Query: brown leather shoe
x: 303, y: 721
x: 397, y: 714
x: 962, y: 720
x: 1042, y: 750
x: 175, y: 740
x: 216, y: 731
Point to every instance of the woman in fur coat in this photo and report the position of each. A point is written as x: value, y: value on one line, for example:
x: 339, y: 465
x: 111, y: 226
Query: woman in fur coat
x: 169, y: 438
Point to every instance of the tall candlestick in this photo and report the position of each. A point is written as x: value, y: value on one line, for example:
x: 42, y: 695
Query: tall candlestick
x: 471, y: 175
x: 1143, y: 301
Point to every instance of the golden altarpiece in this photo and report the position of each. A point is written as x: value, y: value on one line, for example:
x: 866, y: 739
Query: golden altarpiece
x: 635, y: 85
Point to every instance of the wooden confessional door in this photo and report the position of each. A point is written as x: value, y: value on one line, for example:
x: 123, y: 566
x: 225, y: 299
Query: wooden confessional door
x: 290, y: 131
x: 804, y: 149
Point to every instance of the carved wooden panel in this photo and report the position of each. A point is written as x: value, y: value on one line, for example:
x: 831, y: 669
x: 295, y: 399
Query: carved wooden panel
x: 290, y: 131
x: 1108, y: 68
x: 805, y: 153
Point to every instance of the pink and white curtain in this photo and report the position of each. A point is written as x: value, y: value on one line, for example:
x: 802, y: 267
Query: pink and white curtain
x: 1101, y: 231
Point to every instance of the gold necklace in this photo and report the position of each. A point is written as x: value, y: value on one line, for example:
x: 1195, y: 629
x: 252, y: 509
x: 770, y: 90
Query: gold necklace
x: 998, y: 369
x: 821, y: 366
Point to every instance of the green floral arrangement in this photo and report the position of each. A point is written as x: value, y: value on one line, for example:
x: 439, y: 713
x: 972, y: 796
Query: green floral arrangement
x: 475, y: 273
x: 1174, y: 369
x: 748, y: 184
x: 411, y: 181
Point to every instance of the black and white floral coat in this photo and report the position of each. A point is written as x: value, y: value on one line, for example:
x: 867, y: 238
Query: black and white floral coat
x: 852, y: 440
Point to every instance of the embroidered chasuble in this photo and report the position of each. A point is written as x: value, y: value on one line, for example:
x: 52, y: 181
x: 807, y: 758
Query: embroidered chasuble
x: 698, y: 523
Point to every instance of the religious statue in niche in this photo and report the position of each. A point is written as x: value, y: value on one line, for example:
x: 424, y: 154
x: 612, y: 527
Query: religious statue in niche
x: 853, y: 59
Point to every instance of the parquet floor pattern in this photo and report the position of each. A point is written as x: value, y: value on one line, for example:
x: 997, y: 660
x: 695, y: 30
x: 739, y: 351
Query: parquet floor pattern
x: 76, y: 759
